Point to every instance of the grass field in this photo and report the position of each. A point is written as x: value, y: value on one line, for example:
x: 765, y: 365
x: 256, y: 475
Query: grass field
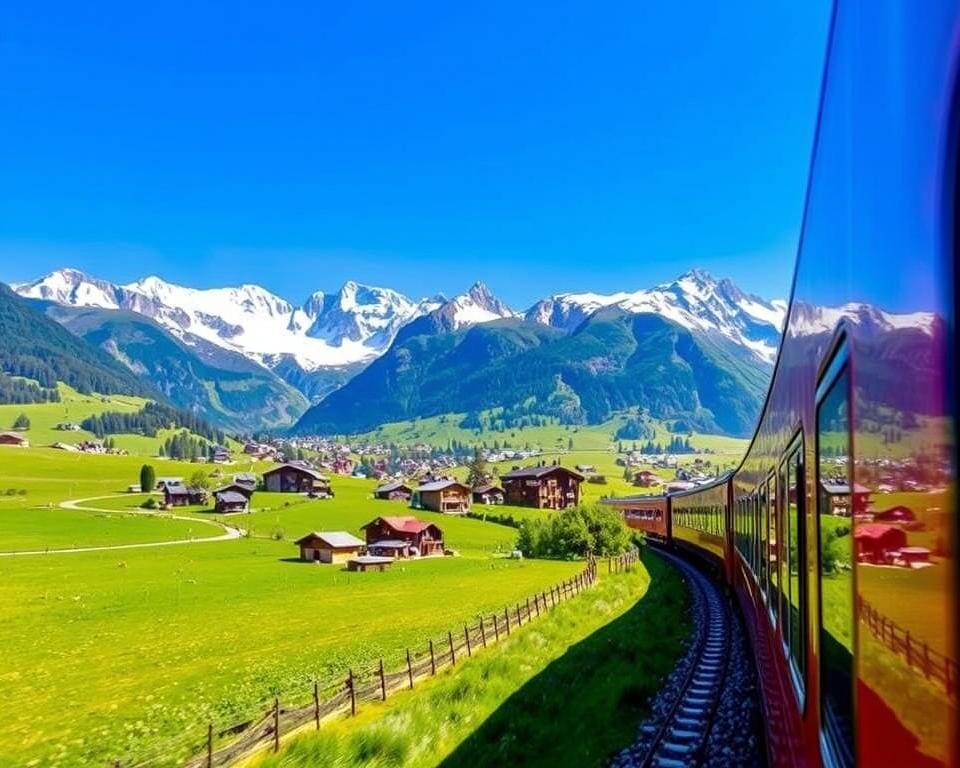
x: 75, y: 407
x: 112, y: 654
x: 566, y: 691
x: 440, y: 430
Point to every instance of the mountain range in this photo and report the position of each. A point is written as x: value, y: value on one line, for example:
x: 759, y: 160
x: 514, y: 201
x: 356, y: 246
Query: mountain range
x: 250, y: 359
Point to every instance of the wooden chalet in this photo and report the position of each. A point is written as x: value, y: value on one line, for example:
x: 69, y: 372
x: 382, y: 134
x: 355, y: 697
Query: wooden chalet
x: 179, y: 495
x: 488, y: 494
x: 645, y: 479
x: 15, y: 439
x: 243, y: 489
x: 403, y: 537
x: 227, y: 501
x: 545, y: 487
x: 447, y: 496
x: 838, y: 498
x: 296, y: 478
x: 329, y: 546
x: 395, y: 491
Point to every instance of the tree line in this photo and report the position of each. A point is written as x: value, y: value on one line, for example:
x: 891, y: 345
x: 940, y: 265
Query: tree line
x: 20, y: 392
x: 149, y: 419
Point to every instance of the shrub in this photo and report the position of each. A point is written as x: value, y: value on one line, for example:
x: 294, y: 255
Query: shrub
x: 148, y: 478
x: 575, y: 532
x: 149, y: 504
x: 22, y: 422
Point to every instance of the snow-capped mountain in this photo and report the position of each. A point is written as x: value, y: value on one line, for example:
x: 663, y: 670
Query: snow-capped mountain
x: 697, y: 301
x: 810, y: 320
x: 352, y: 326
x: 477, y: 305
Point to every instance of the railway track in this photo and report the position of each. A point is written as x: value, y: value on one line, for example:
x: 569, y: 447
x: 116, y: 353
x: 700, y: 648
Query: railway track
x: 686, y: 711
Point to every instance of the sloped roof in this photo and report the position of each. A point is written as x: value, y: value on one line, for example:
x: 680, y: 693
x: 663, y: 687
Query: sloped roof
x: 392, y: 486
x: 406, y: 524
x: 440, y: 485
x: 231, y: 497
x: 538, y: 472
x: 334, y: 539
x: 488, y: 488
x: 298, y: 468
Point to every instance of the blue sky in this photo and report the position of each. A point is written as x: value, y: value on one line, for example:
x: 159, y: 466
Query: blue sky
x: 543, y: 148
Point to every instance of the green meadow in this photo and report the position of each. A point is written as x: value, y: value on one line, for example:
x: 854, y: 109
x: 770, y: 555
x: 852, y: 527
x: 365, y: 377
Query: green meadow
x: 567, y: 690
x: 127, y: 654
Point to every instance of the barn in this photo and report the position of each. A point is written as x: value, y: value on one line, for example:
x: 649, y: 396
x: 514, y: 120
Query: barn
x: 14, y: 438
x: 227, y: 501
x: 296, y: 478
x: 394, y: 491
x: 329, y: 546
x: 543, y: 487
x: 878, y: 542
x: 488, y: 494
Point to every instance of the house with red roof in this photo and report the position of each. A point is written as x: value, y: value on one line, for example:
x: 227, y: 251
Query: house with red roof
x: 404, y: 536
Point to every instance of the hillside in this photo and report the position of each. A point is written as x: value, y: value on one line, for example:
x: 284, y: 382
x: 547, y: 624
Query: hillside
x: 614, y: 360
x: 36, y: 347
x: 225, y: 387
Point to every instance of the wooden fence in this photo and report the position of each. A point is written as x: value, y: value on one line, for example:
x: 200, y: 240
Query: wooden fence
x: 918, y: 655
x: 359, y: 687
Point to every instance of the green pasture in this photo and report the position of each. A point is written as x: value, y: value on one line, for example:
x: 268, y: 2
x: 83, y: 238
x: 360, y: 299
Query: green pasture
x: 567, y: 690
x: 113, y: 655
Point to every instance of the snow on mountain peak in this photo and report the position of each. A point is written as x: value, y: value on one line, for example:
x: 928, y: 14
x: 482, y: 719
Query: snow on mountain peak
x: 477, y: 305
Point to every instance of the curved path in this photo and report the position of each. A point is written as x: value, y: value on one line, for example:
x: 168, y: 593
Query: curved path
x: 229, y: 532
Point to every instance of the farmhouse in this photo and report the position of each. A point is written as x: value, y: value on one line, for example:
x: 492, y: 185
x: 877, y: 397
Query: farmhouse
x: 547, y: 487
x: 12, y: 438
x: 878, y: 542
x: 246, y: 479
x: 328, y: 546
x: 447, y: 496
x: 403, y: 537
x: 226, y: 501
x: 164, y: 481
x: 838, y: 498
x: 645, y: 479
x: 178, y: 495
x: 395, y: 491
x: 488, y: 494
x: 296, y: 478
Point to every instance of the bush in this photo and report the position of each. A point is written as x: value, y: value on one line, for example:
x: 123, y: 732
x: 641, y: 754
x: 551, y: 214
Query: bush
x: 575, y: 532
x: 149, y: 504
x: 148, y: 478
x: 22, y: 422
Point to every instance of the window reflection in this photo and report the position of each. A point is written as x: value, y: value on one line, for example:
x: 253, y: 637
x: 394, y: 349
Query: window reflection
x: 836, y: 556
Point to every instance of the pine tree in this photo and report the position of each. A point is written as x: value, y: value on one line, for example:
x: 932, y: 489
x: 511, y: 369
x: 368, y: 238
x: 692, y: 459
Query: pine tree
x: 148, y: 478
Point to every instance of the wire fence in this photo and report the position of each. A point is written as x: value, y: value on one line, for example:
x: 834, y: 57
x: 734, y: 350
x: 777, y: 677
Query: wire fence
x: 917, y: 653
x: 225, y: 745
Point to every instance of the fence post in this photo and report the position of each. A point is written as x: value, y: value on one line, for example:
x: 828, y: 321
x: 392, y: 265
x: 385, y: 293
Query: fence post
x: 529, y: 615
x: 466, y: 637
x: 609, y: 565
x: 496, y: 629
x: 276, y: 725
x: 536, y: 603
x: 383, y: 683
x: 506, y: 619
x: 519, y: 622
x: 316, y: 703
x: 409, y: 669
x: 209, y: 745
x: 453, y: 653
x: 926, y: 661
x: 353, y: 693
x: 483, y: 631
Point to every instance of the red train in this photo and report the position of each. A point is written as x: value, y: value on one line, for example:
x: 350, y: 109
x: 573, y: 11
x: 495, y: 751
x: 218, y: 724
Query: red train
x: 837, y: 532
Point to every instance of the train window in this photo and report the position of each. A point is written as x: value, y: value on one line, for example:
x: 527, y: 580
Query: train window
x: 795, y: 544
x: 770, y: 551
x: 835, y: 544
x: 783, y: 554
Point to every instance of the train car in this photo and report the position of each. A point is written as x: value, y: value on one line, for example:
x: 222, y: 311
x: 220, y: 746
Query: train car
x: 645, y: 513
x: 838, y: 530
x: 698, y: 525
